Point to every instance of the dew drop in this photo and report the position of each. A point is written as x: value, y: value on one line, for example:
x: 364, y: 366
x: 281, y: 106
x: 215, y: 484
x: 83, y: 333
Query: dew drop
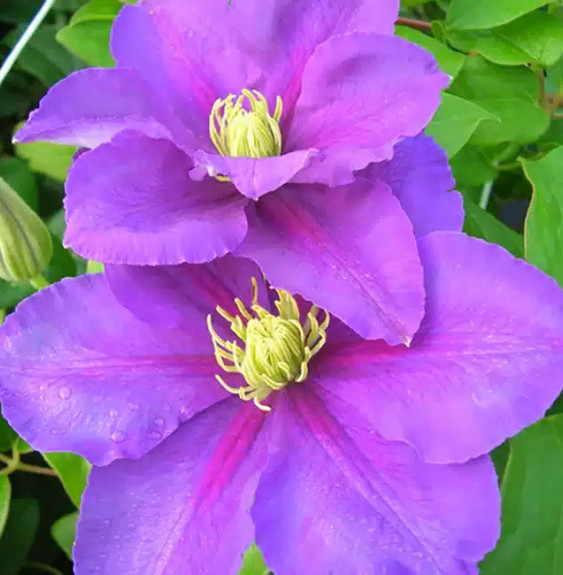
x: 114, y: 413
x: 118, y: 436
x: 64, y: 392
x: 155, y: 434
x: 133, y: 406
x: 159, y: 422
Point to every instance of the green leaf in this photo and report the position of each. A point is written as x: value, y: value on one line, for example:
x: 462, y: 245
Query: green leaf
x: 18, y: 536
x: 483, y: 14
x: 5, y: 497
x: 535, y: 38
x: 18, y: 175
x: 510, y: 94
x: 73, y: 471
x: 88, y: 33
x: 253, y: 563
x: 532, y: 504
x: 544, y: 222
x: 12, y: 294
x: 454, y: 122
x: 7, y: 435
x: 53, y: 160
x: 448, y: 60
x: 481, y: 224
x: 63, y: 532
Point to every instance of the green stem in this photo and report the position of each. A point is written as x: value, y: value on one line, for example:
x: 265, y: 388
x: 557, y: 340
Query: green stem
x: 486, y: 194
x: 39, y: 282
x: 14, y: 464
x: 2, y: 315
x: 25, y: 38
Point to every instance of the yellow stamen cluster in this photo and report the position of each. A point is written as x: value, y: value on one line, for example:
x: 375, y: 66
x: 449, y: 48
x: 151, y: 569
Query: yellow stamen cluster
x: 277, y: 348
x: 240, y: 132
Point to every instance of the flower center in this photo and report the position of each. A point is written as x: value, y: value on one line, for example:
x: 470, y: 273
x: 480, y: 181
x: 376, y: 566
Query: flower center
x: 276, y: 349
x: 241, y: 132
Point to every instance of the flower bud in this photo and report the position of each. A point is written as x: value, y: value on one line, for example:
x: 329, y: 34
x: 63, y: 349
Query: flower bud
x: 25, y: 242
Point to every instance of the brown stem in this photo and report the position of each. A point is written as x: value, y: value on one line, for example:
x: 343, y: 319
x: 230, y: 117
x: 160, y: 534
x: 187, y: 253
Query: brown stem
x: 416, y: 24
x: 16, y: 465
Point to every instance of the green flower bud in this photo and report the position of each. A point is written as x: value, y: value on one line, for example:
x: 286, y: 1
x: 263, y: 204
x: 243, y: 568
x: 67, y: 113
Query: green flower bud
x: 25, y: 242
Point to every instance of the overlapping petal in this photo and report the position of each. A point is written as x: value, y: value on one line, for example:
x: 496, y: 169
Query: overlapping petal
x: 184, y: 507
x: 421, y: 178
x: 80, y: 373
x: 337, y: 498
x: 196, y: 52
x: 254, y: 177
x: 362, y: 93
x: 182, y: 296
x: 132, y: 201
x: 351, y: 250
x: 486, y: 362
x: 90, y: 106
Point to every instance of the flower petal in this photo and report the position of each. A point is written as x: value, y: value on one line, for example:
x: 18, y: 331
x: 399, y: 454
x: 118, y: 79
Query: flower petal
x: 350, y: 250
x: 91, y: 106
x: 254, y: 177
x: 132, y: 201
x: 184, y: 295
x: 337, y: 498
x: 361, y: 94
x: 80, y: 373
x: 420, y: 176
x: 196, y: 52
x: 183, y: 508
x: 486, y: 362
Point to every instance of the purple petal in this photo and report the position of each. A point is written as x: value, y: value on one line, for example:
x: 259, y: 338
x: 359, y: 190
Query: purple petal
x: 183, y: 296
x: 350, y: 250
x: 361, y: 94
x: 420, y: 177
x: 196, y: 52
x: 254, y: 177
x: 183, y: 508
x: 80, y: 373
x: 132, y: 201
x: 486, y: 362
x: 91, y: 106
x: 337, y: 498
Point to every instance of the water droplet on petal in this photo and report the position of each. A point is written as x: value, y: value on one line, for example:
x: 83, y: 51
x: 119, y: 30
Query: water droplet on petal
x: 133, y: 406
x: 159, y: 422
x: 155, y: 435
x: 114, y: 413
x: 118, y: 436
x: 64, y: 392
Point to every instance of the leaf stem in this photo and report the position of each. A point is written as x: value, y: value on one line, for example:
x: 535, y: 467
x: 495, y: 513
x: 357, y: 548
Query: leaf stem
x: 416, y: 24
x: 14, y: 464
x: 24, y: 39
x: 486, y: 194
x: 42, y: 567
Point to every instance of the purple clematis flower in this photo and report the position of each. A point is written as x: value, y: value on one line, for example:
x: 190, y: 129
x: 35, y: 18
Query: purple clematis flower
x: 370, y: 458
x: 239, y: 128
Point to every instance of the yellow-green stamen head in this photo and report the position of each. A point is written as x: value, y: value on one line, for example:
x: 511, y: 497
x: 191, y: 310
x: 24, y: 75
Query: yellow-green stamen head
x: 241, y: 132
x: 276, y: 349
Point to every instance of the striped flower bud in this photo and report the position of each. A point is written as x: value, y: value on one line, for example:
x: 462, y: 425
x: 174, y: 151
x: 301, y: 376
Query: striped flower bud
x: 25, y: 242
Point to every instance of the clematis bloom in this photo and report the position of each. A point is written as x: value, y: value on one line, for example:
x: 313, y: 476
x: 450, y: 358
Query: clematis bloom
x: 240, y: 128
x: 223, y: 413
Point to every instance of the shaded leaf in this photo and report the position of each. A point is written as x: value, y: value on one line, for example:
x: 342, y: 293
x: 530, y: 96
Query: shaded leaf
x: 20, y: 178
x: 544, y: 223
x: 64, y: 532
x: 19, y: 533
x: 53, y: 160
x: 481, y: 224
x: 5, y: 497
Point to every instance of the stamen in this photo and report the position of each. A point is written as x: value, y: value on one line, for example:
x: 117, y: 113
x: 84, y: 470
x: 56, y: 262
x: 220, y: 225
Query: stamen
x: 249, y: 131
x: 276, y: 348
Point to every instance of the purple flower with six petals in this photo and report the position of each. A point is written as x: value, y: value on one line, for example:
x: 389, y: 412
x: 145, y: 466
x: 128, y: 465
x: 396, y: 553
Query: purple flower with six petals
x: 372, y: 458
x: 240, y: 128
